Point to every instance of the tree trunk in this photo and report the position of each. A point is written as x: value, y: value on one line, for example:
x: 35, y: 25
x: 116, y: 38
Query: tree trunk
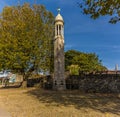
x: 25, y: 77
x: 24, y: 84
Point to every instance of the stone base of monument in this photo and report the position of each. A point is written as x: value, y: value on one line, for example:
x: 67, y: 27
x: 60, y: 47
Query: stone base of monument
x: 59, y: 86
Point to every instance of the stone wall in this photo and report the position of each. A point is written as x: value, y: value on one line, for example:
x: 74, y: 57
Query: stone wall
x: 103, y: 83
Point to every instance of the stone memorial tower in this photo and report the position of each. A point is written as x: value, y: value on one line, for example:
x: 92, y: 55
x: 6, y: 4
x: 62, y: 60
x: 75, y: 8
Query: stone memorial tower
x: 59, y: 70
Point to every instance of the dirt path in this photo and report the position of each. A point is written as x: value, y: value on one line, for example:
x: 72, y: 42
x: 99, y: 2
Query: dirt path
x: 3, y: 112
x: 34, y: 102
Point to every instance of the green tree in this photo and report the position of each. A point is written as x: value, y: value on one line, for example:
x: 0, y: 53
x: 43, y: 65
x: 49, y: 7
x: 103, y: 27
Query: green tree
x: 74, y: 69
x: 87, y: 62
x: 26, y: 35
x: 69, y: 55
x: 97, y: 8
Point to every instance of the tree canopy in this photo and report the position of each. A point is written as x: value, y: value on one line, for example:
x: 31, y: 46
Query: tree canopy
x: 86, y: 62
x: 26, y: 34
x: 97, y: 8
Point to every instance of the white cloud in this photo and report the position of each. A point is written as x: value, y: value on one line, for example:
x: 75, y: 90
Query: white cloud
x: 69, y: 46
x: 116, y: 46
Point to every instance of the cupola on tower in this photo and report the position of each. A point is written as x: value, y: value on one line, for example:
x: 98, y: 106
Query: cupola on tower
x: 59, y: 65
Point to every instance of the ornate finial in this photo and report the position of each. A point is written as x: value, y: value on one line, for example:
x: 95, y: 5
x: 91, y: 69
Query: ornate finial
x: 58, y: 10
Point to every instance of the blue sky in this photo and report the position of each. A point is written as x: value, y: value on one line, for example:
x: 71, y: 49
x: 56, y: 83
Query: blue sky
x: 81, y: 32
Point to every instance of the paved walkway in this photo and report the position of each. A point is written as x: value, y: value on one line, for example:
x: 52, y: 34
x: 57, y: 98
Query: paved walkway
x: 4, y: 113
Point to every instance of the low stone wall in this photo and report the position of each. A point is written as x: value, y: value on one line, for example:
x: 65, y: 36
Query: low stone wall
x: 33, y: 81
x: 95, y: 83
x: 92, y: 83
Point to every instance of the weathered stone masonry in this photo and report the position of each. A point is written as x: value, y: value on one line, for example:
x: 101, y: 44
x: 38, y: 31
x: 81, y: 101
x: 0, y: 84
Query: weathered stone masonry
x: 95, y: 83
x: 59, y: 79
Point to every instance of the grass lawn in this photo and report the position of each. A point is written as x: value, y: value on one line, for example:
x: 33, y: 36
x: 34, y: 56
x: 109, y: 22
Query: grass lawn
x: 34, y: 102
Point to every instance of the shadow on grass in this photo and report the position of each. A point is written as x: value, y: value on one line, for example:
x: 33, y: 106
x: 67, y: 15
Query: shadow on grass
x: 99, y: 102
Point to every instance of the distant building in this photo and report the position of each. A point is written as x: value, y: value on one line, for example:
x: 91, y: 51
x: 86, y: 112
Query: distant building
x: 113, y: 72
x: 116, y: 67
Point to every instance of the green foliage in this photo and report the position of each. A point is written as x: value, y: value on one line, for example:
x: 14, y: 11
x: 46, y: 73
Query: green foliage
x: 74, y: 69
x: 97, y: 8
x: 26, y: 35
x: 69, y: 55
x: 87, y: 62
